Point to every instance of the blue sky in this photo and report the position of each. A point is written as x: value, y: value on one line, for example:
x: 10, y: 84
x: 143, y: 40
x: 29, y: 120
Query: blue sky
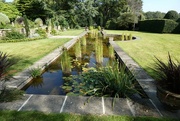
x: 161, y: 5
x: 157, y: 5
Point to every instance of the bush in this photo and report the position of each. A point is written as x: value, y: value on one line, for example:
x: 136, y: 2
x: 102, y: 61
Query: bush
x: 41, y: 32
x: 171, y: 15
x: 91, y: 27
x: 4, y: 19
x: 158, y: 26
x: 13, y: 35
x: 177, y: 29
x: 38, y: 22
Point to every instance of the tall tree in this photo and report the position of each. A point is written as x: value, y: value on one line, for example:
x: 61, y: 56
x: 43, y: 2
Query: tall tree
x: 10, y: 10
x: 110, y: 9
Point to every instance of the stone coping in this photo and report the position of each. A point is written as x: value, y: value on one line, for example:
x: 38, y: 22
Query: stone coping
x: 146, y: 82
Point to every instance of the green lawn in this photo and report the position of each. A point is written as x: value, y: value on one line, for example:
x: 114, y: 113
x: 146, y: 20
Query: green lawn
x: 38, y: 116
x: 26, y: 53
x: 150, y: 45
x: 71, y: 32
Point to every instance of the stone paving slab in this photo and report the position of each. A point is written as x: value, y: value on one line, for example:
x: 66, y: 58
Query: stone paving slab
x: 143, y: 107
x: 44, y: 103
x: 119, y: 107
x: 83, y: 105
x: 15, y: 105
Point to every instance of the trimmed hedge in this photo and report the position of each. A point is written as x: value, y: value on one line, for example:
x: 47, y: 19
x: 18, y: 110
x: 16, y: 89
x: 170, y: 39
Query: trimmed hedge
x: 159, y: 26
x: 21, y: 40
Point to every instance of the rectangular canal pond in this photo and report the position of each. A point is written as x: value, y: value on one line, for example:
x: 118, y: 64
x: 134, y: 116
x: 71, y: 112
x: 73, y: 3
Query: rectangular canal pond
x: 89, y: 51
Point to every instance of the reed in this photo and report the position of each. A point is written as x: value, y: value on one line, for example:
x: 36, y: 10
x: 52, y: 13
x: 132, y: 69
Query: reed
x: 78, y: 50
x: 99, y: 51
x: 122, y: 37
x: 130, y: 36
x: 111, y: 52
x: 65, y: 62
x: 83, y: 40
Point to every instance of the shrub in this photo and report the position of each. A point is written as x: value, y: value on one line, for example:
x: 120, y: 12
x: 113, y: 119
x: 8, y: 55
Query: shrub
x: 99, y: 28
x: 91, y: 27
x: 168, y: 74
x: 5, y: 64
x: 177, y: 29
x: 4, y: 19
x: 158, y: 26
x: 41, y: 32
x: 53, y: 32
x: 13, y: 35
x: 38, y: 22
x: 171, y: 15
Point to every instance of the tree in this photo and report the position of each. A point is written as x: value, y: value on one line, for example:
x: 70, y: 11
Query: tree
x: 154, y: 15
x: 135, y: 7
x: 10, y: 10
x: 171, y: 15
x: 110, y: 9
x: 126, y: 20
x: 34, y: 9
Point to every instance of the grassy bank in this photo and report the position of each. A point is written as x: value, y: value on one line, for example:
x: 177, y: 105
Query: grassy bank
x: 26, y: 53
x: 150, y: 45
x: 38, y: 116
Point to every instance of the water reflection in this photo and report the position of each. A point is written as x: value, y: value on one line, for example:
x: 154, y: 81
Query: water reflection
x: 83, y: 54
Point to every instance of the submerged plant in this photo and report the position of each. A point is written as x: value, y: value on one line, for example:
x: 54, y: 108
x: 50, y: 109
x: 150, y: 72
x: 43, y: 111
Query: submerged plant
x: 65, y: 62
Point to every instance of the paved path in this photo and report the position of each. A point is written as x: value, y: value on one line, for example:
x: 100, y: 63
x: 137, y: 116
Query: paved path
x: 82, y: 105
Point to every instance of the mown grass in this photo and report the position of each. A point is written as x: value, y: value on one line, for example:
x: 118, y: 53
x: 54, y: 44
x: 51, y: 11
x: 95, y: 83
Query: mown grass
x: 149, y: 46
x: 38, y: 116
x: 71, y: 32
x: 26, y: 53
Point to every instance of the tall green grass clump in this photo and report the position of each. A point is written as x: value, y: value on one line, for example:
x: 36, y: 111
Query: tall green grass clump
x: 122, y: 37
x: 130, y: 37
x: 65, y: 62
x: 84, y: 42
x: 78, y: 50
x: 99, y: 51
x: 111, y: 52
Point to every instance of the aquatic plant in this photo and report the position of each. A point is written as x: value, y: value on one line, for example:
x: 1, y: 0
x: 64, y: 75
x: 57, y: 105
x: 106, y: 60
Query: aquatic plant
x: 35, y: 72
x: 83, y: 40
x: 78, y: 50
x: 111, y: 52
x: 99, y: 51
x: 110, y: 81
x: 65, y: 62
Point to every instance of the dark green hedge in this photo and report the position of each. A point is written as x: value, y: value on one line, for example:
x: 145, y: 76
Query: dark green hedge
x: 159, y: 26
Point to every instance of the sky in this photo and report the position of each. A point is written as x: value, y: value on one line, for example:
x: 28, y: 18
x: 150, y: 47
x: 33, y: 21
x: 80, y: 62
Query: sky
x: 157, y: 5
x: 161, y: 5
